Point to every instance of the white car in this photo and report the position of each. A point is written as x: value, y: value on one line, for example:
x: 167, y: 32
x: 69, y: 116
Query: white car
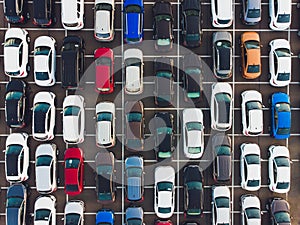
x: 250, y: 166
x: 43, y: 116
x: 104, y: 20
x: 44, y: 61
x: 193, y: 133
x: 250, y: 210
x: 221, y: 205
x: 73, y: 119
x: 105, y: 124
x: 44, y: 210
x: 164, y: 193
x: 16, y: 47
x: 74, y: 212
x: 252, y: 113
x: 280, y: 13
x: 279, y: 169
x: 45, y: 168
x: 221, y: 106
x: 222, y: 13
x: 280, y: 62
x: 16, y: 157
x: 72, y: 14
x: 133, y: 59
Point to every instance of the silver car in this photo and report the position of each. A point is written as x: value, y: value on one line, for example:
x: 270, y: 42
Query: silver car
x: 251, y: 12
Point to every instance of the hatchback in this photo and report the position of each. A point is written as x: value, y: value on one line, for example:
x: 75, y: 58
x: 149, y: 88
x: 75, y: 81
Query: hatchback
x: 44, y: 61
x: 44, y: 210
x: 15, y: 104
x: 74, y: 168
x: 43, y: 116
x: 280, y: 14
x: 222, y: 13
x: 43, y: 12
x: 105, y: 216
x: 250, y: 210
x: 221, y: 205
x: 134, y: 216
x: 14, y: 11
x: 104, y: 67
x: 74, y: 213
x: 16, y: 51
x: 16, y: 157
x: 280, y: 115
x: 72, y: 14
x: 279, y: 210
x: 251, y: 12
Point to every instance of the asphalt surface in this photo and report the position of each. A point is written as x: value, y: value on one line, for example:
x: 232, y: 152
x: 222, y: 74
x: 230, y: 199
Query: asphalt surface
x: 205, y: 51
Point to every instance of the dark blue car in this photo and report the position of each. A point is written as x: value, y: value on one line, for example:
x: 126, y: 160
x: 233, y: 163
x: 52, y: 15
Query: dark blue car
x: 105, y: 216
x: 133, y: 21
x: 281, y: 115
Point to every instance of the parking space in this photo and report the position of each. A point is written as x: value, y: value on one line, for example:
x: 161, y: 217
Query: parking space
x: 238, y: 83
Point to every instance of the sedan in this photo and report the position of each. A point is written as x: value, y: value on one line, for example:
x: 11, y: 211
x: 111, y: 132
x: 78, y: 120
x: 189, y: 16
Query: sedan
x: 193, y: 133
x: 74, y: 168
x: 251, y: 12
x: 280, y: 62
x: 105, y: 124
x: 280, y: 13
x: 193, y: 191
x: 15, y: 104
x: 191, y: 23
x: 163, y: 26
x: 279, y: 210
x: 74, y: 213
x: 250, y: 165
x: 43, y: 116
x: 221, y: 152
x: 44, y: 61
x: 280, y: 116
x: 250, y: 51
x: 134, y: 175
x: 164, y: 135
x: 192, y: 77
x: 16, y: 205
x: 164, y: 193
x: 222, y: 54
x: 134, y: 130
x: 104, y: 11
x: 104, y: 67
x: 250, y: 210
x: 105, y: 175
x: 45, y: 168
x: 133, y: 21
x: 44, y: 210
x: 105, y: 216
x: 16, y: 50
x: 16, y: 157
x: 134, y: 216
x: 164, y: 81
x: 252, y: 113
x: 221, y: 205
x: 221, y: 106
x: 73, y: 119
x: 279, y: 169
x: 134, y: 71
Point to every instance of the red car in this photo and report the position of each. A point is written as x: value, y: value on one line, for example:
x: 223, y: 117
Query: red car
x: 163, y: 222
x: 104, y: 63
x: 73, y: 171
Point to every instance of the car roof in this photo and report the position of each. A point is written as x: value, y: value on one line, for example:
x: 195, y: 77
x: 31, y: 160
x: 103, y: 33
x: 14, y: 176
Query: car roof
x: 192, y: 173
x: 15, y: 85
x: 224, y: 9
x: 284, y: 119
x: 190, y: 4
x: 162, y: 8
x: 254, y: 4
x: 224, y: 167
x: 40, y: 8
x: 102, y: 21
x: 70, y: 10
x: 163, y: 64
x: 224, y: 54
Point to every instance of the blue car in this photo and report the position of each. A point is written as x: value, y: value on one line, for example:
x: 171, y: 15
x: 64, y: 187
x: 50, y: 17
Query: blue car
x: 105, y: 216
x: 133, y: 21
x: 281, y: 115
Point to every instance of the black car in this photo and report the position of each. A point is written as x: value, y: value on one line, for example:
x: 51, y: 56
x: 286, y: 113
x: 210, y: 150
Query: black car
x: 163, y: 135
x: 192, y: 77
x: 164, y: 79
x: 43, y: 12
x: 279, y: 210
x: 16, y: 205
x: 14, y: 11
x: 163, y: 26
x: 193, y: 191
x: 15, y: 104
x: 72, y: 61
x: 191, y: 23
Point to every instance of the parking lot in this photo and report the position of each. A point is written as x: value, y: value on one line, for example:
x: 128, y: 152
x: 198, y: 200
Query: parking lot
x: 238, y: 83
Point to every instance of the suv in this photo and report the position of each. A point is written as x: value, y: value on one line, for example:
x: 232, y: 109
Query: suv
x: 72, y: 61
x: 72, y: 14
x: 14, y: 11
x: 43, y: 12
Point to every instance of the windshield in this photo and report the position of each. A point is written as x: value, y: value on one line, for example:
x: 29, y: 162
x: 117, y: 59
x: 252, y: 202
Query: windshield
x: 223, y: 150
x: 164, y: 186
x: 14, y: 95
x: 253, y: 213
x: 42, y: 50
x: 44, y: 160
x: 12, y: 42
x: 72, y: 111
x: 282, y: 217
x: 164, y: 74
x: 14, y: 202
x: 42, y: 107
x: 164, y: 210
x: 283, y: 18
x: 223, y: 44
x: 194, y: 126
x: 134, y: 117
x: 163, y: 42
x: 41, y: 75
x: 252, y: 44
x: 134, y: 172
x: 192, y: 37
x: 72, y: 163
x: 253, y: 13
x: 14, y: 149
x: 283, y: 131
x: 283, y: 52
x: 253, y: 183
x: 193, y: 70
x: 194, y: 150
x: 283, y: 107
x: 103, y: 6
x: 134, y: 221
x: 103, y: 61
x: 252, y: 159
x: 104, y: 116
x: 133, y: 9
x: 194, y: 185
x: 253, y: 105
x: 42, y: 214
x: 282, y: 185
x: 253, y: 69
x: 104, y: 169
x: 222, y: 202
x: 282, y: 161
x: 283, y: 76
x: 72, y: 218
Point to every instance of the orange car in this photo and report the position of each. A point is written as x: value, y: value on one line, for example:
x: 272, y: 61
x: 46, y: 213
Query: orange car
x: 251, y: 64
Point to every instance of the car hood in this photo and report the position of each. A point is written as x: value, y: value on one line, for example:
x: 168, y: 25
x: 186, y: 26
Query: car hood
x: 102, y: 22
x: 194, y: 138
x: 42, y: 178
x: 11, y: 61
x: 133, y: 188
x: 41, y: 63
x: 133, y: 24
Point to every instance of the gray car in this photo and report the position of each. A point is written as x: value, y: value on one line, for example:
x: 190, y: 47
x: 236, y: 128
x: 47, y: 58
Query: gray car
x: 221, y: 151
x: 279, y: 210
x: 134, y: 216
x: 134, y: 171
x: 222, y: 54
x: 251, y: 12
